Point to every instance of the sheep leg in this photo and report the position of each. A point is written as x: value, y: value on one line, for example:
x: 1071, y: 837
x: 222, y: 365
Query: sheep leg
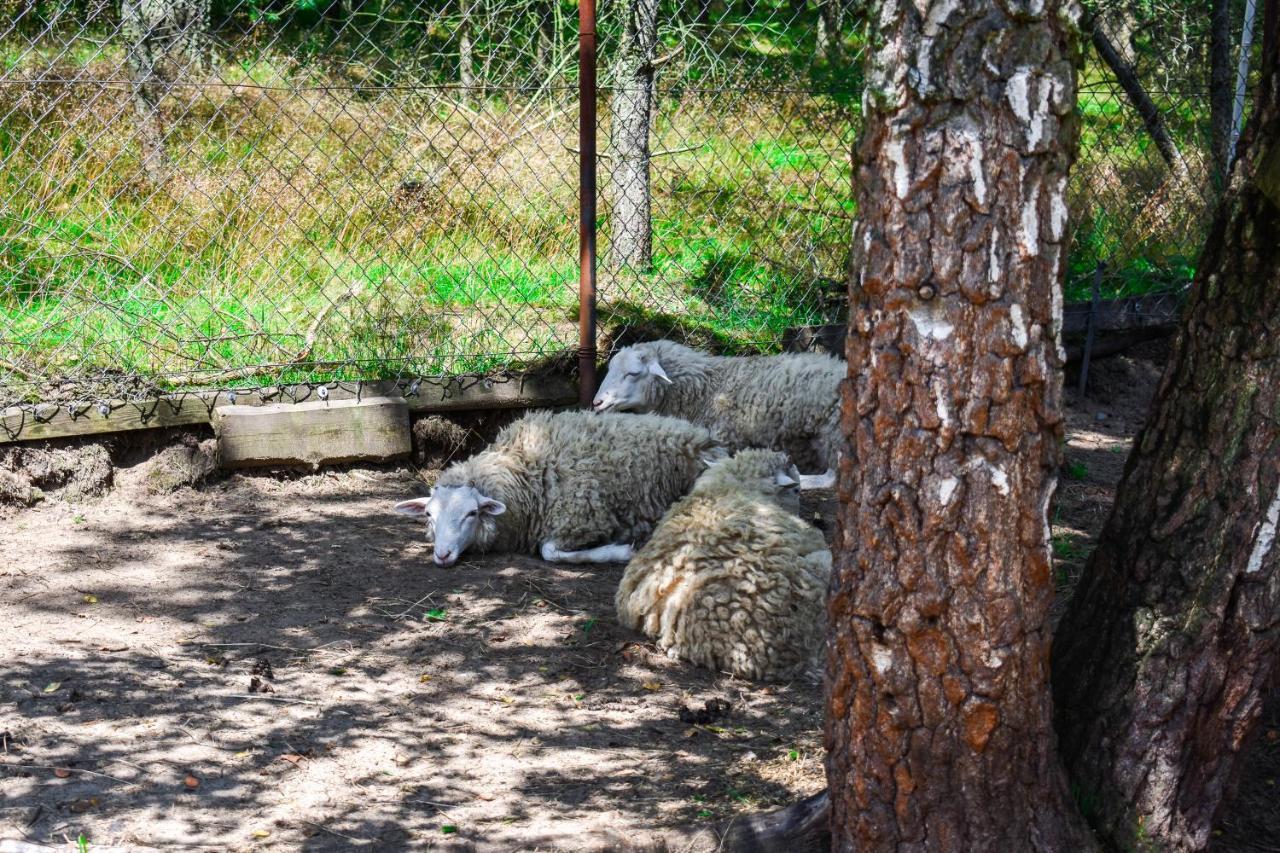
x: 818, y: 481
x: 619, y: 553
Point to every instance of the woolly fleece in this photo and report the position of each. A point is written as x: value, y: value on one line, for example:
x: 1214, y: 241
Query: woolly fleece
x: 581, y: 479
x: 732, y: 579
x: 784, y: 402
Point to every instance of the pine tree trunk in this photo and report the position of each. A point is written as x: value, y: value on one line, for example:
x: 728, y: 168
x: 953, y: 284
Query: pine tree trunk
x: 631, y: 237
x: 466, y: 49
x: 1161, y: 662
x: 1220, y: 90
x: 939, y: 718
x: 831, y: 30
x: 165, y: 42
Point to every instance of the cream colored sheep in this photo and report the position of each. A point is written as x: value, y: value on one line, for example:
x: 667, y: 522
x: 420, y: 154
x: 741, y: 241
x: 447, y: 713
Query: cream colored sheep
x: 732, y: 578
x: 572, y: 486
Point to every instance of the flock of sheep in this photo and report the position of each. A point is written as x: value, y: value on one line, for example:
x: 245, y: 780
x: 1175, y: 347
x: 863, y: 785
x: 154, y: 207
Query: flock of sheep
x: 728, y: 575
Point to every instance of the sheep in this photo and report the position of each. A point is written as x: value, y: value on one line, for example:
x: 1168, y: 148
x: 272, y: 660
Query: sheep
x: 732, y: 578
x: 782, y: 402
x: 573, y: 486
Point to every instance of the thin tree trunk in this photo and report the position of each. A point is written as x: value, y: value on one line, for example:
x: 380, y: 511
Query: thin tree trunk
x: 545, y: 58
x: 165, y: 41
x: 1162, y: 660
x: 939, y: 717
x: 631, y: 238
x: 831, y: 30
x: 1220, y: 91
x: 466, y: 48
x: 1141, y: 101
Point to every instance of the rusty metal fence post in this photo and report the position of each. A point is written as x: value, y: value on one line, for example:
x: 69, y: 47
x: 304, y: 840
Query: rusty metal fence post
x: 587, y: 201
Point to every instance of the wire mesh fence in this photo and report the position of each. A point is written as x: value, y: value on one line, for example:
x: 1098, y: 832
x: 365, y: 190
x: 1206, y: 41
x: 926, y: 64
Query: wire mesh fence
x: 207, y: 195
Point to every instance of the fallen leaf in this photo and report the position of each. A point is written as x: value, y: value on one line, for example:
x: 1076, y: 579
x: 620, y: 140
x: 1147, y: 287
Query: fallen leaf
x: 61, y: 772
x: 435, y: 614
x: 424, y: 678
x: 448, y: 829
x: 90, y: 599
x: 291, y: 757
x: 52, y: 686
x: 261, y: 833
x: 191, y: 782
x: 652, y: 685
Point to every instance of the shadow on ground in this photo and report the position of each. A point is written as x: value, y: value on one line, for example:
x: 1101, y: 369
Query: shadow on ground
x: 494, y: 705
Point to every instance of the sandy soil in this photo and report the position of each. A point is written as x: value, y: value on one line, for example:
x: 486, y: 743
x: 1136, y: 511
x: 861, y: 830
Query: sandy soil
x: 272, y: 663
x: 495, y: 704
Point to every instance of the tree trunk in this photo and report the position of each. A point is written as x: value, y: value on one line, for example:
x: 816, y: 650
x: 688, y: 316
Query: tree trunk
x: 165, y: 40
x: 1220, y: 91
x: 1161, y: 662
x: 831, y: 30
x: 631, y: 238
x: 1141, y: 101
x: 939, y: 717
x: 466, y: 48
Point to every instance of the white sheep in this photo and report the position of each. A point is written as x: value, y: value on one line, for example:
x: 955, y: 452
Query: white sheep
x: 732, y: 578
x: 785, y: 402
x: 573, y: 486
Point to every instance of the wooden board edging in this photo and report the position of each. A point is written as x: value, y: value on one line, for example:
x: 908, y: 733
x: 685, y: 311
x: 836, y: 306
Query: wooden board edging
x: 426, y: 394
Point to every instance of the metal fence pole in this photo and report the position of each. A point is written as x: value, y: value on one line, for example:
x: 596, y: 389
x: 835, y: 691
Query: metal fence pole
x: 587, y: 201
x: 1242, y: 77
x: 1092, y: 329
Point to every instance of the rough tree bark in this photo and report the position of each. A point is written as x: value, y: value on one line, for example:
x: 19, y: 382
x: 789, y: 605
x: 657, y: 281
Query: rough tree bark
x: 1127, y: 77
x: 631, y: 237
x: 939, y: 718
x: 1220, y: 90
x: 466, y: 48
x: 831, y: 30
x: 164, y: 41
x: 1160, y: 663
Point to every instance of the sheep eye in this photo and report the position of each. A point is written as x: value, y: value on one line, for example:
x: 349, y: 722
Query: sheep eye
x: 634, y: 373
x: 472, y: 514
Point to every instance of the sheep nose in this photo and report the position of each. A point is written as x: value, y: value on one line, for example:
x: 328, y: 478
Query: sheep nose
x: 597, y: 404
x: 444, y: 557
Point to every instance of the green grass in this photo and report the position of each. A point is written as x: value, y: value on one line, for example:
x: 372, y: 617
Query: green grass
x: 330, y: 235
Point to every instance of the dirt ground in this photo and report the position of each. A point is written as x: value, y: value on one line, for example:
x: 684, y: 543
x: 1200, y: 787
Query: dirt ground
x: 271, y: 662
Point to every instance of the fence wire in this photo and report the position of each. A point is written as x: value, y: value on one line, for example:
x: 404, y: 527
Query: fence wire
x: 213, y: 195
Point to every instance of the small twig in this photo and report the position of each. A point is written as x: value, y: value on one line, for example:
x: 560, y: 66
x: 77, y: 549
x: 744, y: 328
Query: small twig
x: 13, y: 368
x: 670, y: 151
x: 269, y: 698
x: 324, y: 828
x: 665, y: 58
x: 572, y: 150
x: 68, y: 770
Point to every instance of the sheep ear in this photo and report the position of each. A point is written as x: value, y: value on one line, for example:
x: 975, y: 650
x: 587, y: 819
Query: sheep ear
x: 656, y: 369
x: 416, y: 507
x: 783, y: 479
x: 489, y: 506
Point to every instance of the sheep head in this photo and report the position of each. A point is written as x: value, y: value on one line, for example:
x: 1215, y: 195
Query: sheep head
x: 633, y: 383
x: 766, y: 473
x: 459, y: 517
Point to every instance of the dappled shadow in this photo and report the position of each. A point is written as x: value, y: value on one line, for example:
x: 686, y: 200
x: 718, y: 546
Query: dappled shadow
x: 494, y: 704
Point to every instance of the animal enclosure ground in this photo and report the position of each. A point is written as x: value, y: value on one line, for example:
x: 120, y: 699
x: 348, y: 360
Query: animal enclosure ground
x: 492, y: 706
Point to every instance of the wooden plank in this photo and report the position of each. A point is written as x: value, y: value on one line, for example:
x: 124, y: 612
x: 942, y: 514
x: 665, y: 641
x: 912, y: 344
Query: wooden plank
x: 324, y: 431
x: 425, y: 394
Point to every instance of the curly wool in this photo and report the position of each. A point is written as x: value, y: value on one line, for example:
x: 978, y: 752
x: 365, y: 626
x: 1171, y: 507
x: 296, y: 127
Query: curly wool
x: 583, y: 480
x: 732, y: 579
x: 785, y: 402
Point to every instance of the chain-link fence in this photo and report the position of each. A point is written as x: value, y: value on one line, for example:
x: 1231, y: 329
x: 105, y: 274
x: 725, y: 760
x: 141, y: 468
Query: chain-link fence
x: 204, y: 195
